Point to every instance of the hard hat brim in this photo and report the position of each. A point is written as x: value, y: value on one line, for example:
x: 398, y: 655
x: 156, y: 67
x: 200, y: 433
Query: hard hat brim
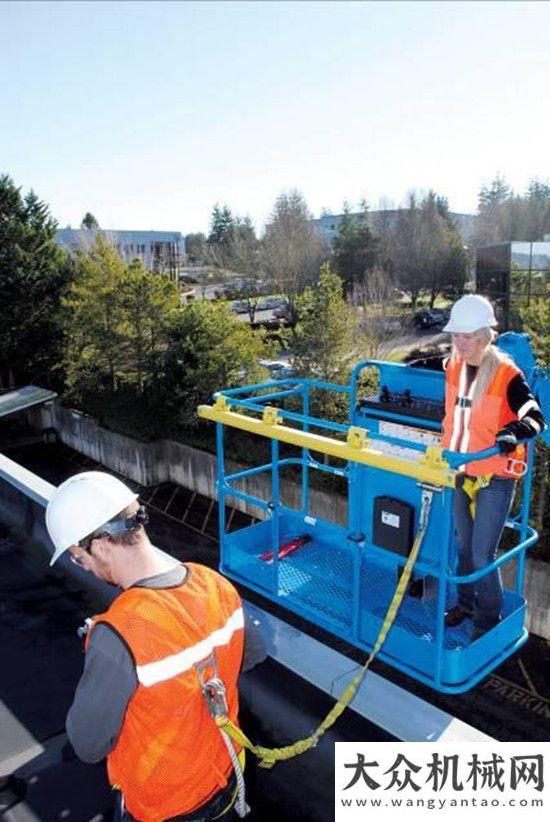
x: 465, y: 328
x: 56, y: 554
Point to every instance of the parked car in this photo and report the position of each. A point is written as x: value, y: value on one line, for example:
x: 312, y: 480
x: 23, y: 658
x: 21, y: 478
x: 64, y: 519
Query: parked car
x: 239, y: 307
x: 282, y: 311
x: 271, y: 303
x: 430, y: 317
x: 278, y: 369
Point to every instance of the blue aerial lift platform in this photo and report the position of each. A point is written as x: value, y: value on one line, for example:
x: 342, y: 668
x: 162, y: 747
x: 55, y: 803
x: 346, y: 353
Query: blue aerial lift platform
x: 343, y: 578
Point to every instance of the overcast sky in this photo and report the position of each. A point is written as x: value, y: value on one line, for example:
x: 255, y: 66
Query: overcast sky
x: 146, y: 114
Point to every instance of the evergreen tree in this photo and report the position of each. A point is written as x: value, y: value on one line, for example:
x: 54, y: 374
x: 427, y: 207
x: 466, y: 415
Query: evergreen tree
x: 34, y: 272
x: 222, y: 227
x: 504, y: 216
x: 89, y: 221
x: 355, y: 249
x: 495, y: 194
x: 323, y: 345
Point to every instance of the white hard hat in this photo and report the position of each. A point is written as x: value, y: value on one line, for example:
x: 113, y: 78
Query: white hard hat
x: 471, y: 313
x: 81, y: 505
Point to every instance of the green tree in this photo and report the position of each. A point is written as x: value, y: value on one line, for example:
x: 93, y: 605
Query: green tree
x: 491, y: 199
x: 504, y: 216
x: 148, y: 303
x: 222, y: 227
x: 94, y: 354
x: 89, y: 221
x: 324, y: 340
x: 536, y: 211
x: 208, y: 349
x: 34, y: 273
x: 355, y: 249
x: 323, y: 346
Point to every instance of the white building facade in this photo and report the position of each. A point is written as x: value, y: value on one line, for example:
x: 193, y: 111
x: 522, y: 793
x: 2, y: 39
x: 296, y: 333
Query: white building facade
x: 162, y: 251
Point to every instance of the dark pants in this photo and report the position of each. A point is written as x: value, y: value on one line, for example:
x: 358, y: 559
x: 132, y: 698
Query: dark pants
x: 212, y: 810
x: 477, y: 542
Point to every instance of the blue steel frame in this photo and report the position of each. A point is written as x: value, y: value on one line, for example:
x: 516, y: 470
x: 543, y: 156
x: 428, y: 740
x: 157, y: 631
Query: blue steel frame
x: 484, y: 660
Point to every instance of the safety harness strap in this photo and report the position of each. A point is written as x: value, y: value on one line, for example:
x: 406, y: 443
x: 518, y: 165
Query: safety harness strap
x: 472, y: 487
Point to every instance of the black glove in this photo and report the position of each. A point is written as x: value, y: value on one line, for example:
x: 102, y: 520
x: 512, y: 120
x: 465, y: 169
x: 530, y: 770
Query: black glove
x: 506, y: 441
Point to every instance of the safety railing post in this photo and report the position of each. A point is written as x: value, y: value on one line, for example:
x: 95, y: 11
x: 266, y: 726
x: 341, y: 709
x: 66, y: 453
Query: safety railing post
x: 221, y: 488
x: 356, y: 538
x: 305, y: 452
x: 354, y: 508
x: 445, y: 557
x: 275, y: 506
x: 525, y: 509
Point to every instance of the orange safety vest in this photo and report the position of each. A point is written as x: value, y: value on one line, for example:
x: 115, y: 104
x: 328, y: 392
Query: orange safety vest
x: 170, y: 757
x: 469, y: 428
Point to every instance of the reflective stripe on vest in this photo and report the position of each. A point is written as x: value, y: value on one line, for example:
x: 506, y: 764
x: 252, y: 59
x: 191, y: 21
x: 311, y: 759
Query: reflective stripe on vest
x: 179, y: 663
x: 470, y: 427
x: 170, y: 758
x: 462, y: 413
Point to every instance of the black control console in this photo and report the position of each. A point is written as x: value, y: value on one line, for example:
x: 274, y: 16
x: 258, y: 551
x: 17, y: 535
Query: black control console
x: 404, y: 403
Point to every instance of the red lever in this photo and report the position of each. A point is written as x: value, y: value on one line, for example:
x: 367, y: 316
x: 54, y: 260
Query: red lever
x: 287, y: 549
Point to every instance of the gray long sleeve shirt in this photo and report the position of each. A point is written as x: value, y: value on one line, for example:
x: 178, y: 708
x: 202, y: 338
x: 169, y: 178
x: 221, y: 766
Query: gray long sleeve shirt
x: 109, y: 680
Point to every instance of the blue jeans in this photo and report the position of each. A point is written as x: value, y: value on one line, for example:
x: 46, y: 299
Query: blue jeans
x: 477, y: 543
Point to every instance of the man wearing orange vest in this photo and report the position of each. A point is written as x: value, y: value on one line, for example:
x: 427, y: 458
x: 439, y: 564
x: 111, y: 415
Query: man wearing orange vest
x: 140, y: 700
x: 487, y: 402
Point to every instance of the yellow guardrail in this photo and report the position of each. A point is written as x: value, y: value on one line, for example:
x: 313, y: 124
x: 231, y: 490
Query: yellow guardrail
x: 429, y: 467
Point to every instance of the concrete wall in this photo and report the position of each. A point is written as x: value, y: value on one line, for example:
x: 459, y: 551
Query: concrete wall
x: 168, y: 461
x: 150, y: 463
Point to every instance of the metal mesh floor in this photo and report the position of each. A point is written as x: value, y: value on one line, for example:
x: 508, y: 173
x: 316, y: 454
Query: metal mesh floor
x: 318, y: 578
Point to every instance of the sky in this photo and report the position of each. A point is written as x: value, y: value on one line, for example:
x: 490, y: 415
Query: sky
x: 149, y: 113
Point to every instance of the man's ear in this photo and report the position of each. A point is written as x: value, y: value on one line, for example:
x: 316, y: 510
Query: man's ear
x: 101, y: 547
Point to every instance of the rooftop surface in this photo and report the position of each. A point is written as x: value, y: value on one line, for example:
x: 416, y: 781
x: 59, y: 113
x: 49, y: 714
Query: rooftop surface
x: 40, y: 610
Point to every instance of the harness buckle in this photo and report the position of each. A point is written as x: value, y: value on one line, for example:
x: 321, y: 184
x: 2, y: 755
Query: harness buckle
x: 212, y: 687
x: 214, y: 692
x: 518, y: 468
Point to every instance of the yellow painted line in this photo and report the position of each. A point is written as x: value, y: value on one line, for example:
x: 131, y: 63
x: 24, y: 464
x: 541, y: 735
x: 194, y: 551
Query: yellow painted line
x: 360, y: 450
x: 190, y: 503
x: 190, y: 527
x: 527, y: 678
x: 168, y: 504
x: 519, y: 687
x: 230, y: 520
x: 151, y: 498
x: 207, y: 517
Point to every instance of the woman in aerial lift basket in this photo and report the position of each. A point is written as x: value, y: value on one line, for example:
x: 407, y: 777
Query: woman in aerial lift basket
x: 487, y: 402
